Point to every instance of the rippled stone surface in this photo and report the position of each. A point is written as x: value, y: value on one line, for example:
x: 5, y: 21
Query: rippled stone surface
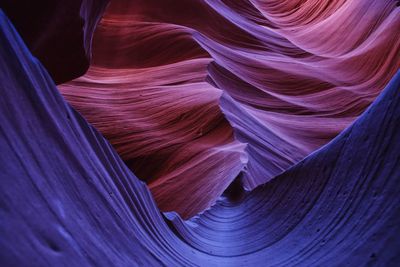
x: 67, y: 198
x: 193, y: 94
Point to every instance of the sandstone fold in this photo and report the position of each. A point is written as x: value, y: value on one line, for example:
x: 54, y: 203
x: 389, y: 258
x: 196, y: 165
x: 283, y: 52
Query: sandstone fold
x: 67, y: 197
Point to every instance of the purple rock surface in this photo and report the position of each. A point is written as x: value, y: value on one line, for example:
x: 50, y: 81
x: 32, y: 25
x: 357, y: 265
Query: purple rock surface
x: 67, y: 199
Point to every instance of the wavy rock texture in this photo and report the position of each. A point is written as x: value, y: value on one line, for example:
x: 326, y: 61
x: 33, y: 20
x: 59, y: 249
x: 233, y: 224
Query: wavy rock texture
x: 57, y: 32
x: 181, y: 138
x: 289, y: 75
x: 68, y: 199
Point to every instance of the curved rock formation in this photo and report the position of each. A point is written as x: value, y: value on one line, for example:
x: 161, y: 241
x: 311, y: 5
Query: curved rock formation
x: 151, y: 100
x: 292, y: 75
x: 68, y: 199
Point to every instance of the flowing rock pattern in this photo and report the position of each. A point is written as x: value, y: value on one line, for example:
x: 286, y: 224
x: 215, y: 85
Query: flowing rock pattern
x: 68, y: 199
x: 177, y: 86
